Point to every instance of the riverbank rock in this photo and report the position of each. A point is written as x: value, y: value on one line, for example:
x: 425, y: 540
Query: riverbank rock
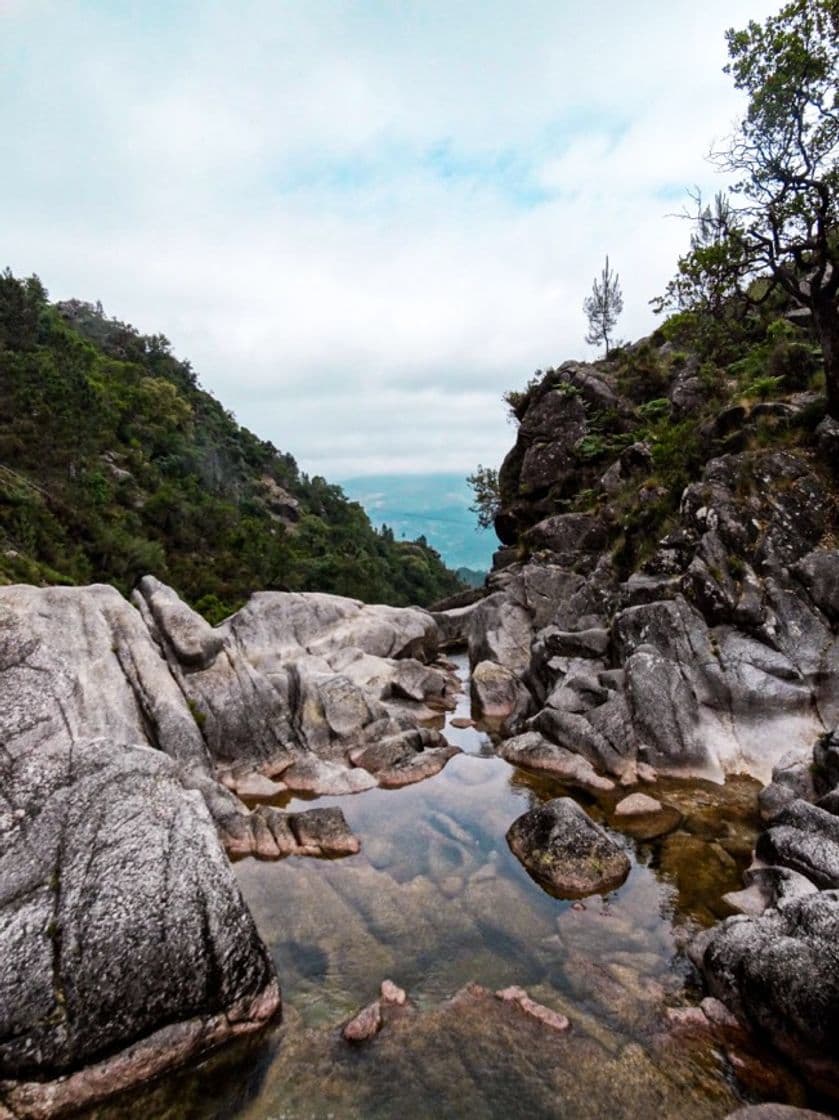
x: 111, y: 873
x: 292, y: 683
x: 566, y: 852
x: 533, y: 751
x: 774, y: 964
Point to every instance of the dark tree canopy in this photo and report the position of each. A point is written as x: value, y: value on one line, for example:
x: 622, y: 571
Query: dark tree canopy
x: 780, y: 222
x: 603, y: 307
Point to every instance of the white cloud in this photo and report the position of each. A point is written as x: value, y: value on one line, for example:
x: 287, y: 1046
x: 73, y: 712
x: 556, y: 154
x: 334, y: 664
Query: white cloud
x: 360, y: 222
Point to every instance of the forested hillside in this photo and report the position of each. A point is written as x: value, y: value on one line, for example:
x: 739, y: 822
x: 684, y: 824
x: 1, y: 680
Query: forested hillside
x: 114, y: 462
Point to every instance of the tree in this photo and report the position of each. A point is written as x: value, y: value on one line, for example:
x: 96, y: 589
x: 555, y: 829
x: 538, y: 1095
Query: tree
x: 484, y: 483
x: 603, y: 307
x: 780, y: 224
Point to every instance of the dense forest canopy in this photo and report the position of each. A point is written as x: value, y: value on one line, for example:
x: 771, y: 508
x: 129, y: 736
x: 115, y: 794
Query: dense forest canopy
x: 114, y: 462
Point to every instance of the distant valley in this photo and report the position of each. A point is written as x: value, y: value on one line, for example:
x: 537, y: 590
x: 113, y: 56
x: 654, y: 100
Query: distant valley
x: 433, y: 505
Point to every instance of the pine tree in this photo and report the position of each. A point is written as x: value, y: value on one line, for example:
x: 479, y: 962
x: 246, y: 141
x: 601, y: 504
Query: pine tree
x: 603, y: 307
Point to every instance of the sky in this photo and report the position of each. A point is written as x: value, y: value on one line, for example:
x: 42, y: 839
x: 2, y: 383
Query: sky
x: 361, y: 221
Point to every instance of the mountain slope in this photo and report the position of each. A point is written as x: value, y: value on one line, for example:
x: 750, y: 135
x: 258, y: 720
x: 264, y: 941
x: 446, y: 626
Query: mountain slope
x: 114, y: 463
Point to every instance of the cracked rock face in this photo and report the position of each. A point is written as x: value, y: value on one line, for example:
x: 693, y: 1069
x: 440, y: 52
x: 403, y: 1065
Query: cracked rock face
x: 291, y: 685
x: 111, y: 873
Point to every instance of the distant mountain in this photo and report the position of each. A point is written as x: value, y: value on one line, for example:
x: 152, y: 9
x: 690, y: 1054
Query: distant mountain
x: 435, y: 506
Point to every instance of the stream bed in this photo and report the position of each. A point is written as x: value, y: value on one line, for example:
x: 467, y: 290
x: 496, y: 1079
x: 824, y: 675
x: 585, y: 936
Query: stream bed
x: 435, y: 900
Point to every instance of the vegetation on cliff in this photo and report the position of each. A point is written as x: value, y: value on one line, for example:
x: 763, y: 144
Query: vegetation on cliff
x: 114, y: 462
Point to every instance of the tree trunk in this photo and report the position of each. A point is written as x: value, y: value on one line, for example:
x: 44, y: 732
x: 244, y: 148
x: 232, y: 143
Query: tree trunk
x: 826, y: 318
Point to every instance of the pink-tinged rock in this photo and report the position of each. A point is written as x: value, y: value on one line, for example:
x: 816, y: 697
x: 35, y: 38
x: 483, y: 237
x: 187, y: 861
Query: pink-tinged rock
x: 254, y: 786
x: 716, y: 1012
x: 645, y: 818
x: 366, y: 1024
x: 551, y: 1019
x: 392, y: 994
x: 687, y: 1017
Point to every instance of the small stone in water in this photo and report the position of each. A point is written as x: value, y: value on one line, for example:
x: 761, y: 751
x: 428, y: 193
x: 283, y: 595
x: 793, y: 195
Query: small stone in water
x: 538, y: 1011
x: 366, y: 1024
x: 461, y: 722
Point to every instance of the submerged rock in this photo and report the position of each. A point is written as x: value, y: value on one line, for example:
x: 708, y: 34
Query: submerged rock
x: 645, y: 818
x: 365, y: 1025
x: 566, y: 852
x: 544, y: 1015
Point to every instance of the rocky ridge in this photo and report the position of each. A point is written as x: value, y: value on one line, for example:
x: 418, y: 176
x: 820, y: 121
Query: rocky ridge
x: 607, y: 657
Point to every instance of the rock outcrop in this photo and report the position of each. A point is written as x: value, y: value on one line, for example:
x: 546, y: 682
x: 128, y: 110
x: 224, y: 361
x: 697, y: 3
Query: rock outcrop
x: 775, y: 964
x: 125, y: 945
x: 126, y: 730
x: 719, y: 653
x: 682, y: 623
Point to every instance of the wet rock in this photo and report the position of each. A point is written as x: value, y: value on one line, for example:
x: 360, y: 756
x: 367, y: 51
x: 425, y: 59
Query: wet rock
x: 256, y: 787
x: 804, y: 838
x: 792, y: 778
x: 392, y: 994
x: 323, y: 832
x: 645, y: 818
x: 461, y: 723
x: 543, y: 1015
x: 365, y: 1025
x: 564, y: 851
x: 310, y: 774
x: 779, y: 974
x: 578, y: 733
x: 533, y: 751
x: 403, y: 759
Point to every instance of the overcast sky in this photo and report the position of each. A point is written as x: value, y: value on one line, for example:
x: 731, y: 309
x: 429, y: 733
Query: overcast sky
x: 361, y: 221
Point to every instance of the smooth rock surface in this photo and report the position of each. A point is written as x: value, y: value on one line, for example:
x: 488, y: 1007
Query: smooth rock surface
x: 565, y: 852
x: 111, y: 872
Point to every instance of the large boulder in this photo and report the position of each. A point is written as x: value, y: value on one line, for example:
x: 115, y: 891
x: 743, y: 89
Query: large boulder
x: 779, y: 973
x: 125, y: 945
x: 292, y: 684
x: 566, y: 852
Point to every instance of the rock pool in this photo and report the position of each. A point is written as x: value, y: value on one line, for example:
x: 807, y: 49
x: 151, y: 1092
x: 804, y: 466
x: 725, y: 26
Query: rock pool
x: 435, y: 900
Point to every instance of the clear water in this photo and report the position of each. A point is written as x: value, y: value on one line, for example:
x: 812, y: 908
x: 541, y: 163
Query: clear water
x: 434, y: 900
